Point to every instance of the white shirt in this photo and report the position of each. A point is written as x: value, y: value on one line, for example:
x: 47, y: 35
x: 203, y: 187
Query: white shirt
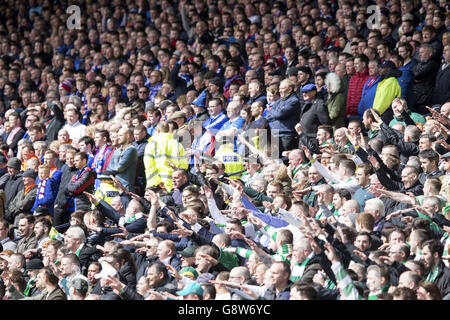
x: 75, y: 130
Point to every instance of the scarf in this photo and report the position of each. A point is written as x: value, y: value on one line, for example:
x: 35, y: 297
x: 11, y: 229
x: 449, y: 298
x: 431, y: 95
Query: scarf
x: 431, y: 277
x: 299, y: 268
x: 41, y: 188
x: 12, y: 135
x: 284, y: 252
x: 28, y: 188
x: 99, y: 159
x: 127, y: 220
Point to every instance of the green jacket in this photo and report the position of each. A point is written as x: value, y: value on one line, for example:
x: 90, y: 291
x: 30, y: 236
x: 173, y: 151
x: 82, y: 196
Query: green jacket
x: 56, y: 294
x: 336, y: 104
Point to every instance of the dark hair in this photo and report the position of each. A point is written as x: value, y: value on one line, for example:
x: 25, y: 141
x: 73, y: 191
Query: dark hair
x: 51, y: 277
x: 87, y: 140
x: 83, y: 155
x: 430, y: 154
x: 306, y: 291
x: 434, y: 246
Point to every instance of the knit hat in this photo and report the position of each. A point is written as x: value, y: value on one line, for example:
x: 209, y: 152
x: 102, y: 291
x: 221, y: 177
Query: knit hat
x: 34, y: 264
x: 445, y: 155
x: 66, y: 85
x: 14, y: 163
x: 387, y: 64
x: 164, y: 104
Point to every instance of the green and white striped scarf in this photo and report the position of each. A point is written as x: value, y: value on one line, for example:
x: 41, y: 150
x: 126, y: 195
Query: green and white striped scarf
x: 299, y: 268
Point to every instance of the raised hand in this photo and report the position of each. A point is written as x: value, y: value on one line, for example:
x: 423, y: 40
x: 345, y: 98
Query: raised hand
x: 93, y: 199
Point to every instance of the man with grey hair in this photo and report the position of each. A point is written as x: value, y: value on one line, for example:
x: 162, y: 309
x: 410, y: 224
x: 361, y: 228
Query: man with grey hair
x: 240, y: 275
x: 304, y: 263
x: 424, y: 73
x: 409, y: 279
x: 75, y: 240
x: 376, y: 208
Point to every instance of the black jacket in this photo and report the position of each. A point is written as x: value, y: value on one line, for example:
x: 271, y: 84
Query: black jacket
x: 15, y: 140
x: 88, y: 255
x: 416, y: 189
x: 55, y: 123
x: 84, y: 183
x: 137, y: 226
x: 312, y: 115
x: 443, y: 281
x: 66, y: 178
x: 442, y: 89
x: 424, y: 79
x: 127, y: 275
x: 12, y: 187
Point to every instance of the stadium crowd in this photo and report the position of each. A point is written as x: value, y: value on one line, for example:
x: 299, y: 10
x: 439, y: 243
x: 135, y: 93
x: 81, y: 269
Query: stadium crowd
x: 225, y: 150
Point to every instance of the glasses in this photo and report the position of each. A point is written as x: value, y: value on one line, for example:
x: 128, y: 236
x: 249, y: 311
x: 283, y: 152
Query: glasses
x: 144, y: 92
x: 131, y: 90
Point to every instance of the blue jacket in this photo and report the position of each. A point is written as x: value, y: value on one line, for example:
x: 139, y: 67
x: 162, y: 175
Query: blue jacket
x: 49, y: 196
x: 284, y: 115
x: 123, y: 164
x: 406, y: 82
x: 137, y: 226
x: 368, y: 95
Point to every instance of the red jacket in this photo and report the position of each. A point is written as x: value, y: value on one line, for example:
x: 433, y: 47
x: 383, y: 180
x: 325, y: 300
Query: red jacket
x: 355, y: 88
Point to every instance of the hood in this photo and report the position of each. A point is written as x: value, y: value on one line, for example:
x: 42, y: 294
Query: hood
x: 392, y: 73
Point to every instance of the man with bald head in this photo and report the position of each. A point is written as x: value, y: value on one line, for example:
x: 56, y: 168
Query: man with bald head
x: 296, y: 162
x: 124, y: 160
x: 234, y: 124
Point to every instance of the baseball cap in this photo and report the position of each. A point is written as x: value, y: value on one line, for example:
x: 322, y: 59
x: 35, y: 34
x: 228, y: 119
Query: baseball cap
x: 309, y: 87
x: 80, y: 284
x: 189, y: 271
x: 41, y: 211
x: 177, y: 115
x: 30, y: 173
x: 188, y: 251
x: 192, y: 287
